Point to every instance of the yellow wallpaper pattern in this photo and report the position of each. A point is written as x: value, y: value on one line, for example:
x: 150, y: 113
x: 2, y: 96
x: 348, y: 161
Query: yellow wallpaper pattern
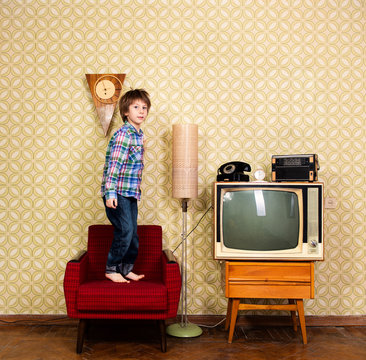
x: 259, y: 78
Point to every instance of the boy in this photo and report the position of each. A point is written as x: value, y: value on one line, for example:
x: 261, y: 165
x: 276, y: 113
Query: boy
x: 121, y: 185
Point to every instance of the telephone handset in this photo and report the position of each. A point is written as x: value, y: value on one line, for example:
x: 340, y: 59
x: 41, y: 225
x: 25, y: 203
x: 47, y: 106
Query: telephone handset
x: 233, y: 171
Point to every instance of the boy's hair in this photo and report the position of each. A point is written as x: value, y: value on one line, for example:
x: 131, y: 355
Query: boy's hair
x: 129, y: 97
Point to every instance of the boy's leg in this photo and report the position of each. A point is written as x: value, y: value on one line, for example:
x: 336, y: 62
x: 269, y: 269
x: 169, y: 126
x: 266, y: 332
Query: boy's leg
x: 130, y: 257
x: 121, y: 221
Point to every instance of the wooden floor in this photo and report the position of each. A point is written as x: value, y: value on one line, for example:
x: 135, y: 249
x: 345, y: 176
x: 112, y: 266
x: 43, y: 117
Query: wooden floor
x: 140, y: 340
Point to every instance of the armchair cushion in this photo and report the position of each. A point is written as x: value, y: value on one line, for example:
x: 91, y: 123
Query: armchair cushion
x: 108, y: 296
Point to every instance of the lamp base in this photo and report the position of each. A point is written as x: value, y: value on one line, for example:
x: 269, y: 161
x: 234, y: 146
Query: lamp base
x: 187, y: 330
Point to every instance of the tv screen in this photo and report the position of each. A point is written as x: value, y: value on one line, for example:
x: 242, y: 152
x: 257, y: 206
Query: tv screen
x: 268, y: 220
x: 260, y: 220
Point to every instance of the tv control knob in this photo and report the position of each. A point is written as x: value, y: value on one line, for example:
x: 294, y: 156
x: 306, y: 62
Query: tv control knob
x: 313, y: 243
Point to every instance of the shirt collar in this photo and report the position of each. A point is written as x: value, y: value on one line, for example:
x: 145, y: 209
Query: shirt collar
x: 133, y: 129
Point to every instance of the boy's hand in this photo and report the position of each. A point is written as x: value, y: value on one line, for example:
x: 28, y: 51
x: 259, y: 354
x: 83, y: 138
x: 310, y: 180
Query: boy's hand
x: 112, y: 203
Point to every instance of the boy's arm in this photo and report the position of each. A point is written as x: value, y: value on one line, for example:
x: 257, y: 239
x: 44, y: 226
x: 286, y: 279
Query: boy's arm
x: 112, y: 203
x: 118, y: 156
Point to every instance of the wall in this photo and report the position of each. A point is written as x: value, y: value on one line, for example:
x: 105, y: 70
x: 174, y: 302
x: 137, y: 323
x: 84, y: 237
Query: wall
x: 258, y: 77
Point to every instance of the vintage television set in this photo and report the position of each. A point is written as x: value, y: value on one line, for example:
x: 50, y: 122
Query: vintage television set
x: 268, y: 221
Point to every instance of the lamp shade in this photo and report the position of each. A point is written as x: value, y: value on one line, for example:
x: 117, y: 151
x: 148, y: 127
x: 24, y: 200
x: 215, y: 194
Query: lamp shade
x: 185, y: 161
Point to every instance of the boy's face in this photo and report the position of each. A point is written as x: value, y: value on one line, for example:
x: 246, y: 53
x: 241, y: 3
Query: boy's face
x: 137, y: 113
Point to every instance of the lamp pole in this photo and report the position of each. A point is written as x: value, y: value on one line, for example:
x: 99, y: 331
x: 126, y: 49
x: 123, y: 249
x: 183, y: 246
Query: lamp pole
x: 185, y: 187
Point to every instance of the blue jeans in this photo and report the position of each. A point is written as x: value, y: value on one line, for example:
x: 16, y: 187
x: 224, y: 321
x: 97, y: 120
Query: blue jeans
x: 123, y: 251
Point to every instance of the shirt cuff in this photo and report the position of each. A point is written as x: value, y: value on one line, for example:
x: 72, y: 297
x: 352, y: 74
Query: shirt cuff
x: 110, y: 195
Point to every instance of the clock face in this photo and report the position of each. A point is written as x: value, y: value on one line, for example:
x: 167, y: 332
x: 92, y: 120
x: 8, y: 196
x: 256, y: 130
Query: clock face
x: 107, y: 89
x: 259, y: 175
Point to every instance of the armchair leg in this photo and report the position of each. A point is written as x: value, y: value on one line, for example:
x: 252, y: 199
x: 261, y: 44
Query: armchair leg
x: 81, y: 335
x: 162, y: 335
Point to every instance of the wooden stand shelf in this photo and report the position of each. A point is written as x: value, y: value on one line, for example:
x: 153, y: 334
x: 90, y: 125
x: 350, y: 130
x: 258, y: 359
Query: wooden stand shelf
x: 268, y: 280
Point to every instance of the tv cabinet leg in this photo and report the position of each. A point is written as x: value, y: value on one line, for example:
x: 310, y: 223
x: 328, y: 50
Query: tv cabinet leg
x: 234, y: 314
x: 228, y: 313
x: 293, y: 315
x: 300, y: 311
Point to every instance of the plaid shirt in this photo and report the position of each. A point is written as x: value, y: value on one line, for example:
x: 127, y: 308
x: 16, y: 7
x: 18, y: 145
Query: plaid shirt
x: 123, y: 164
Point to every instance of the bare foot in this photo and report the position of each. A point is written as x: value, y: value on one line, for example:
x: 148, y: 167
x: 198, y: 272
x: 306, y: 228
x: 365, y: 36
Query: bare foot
x: 134, y: 277
x: 116, y: 277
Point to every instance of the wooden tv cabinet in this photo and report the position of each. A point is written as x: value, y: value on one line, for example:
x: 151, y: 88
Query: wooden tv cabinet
x: 268, y: 280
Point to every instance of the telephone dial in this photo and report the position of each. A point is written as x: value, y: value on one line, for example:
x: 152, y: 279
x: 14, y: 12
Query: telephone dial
x: 233, y: 171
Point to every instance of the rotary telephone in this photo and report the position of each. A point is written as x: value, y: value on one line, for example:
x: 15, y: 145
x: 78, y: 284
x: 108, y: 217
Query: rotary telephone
x: 233, y: 171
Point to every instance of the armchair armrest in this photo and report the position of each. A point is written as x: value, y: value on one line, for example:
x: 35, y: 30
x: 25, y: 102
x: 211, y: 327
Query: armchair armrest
x: 172, y: 280
x: 75, y: 274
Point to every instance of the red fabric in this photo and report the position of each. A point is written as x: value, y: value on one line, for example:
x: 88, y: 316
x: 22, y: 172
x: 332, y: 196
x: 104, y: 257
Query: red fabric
x: 89, y: 295
x: 172, y: 279
x: 138, y: 295
x: 75, y: 274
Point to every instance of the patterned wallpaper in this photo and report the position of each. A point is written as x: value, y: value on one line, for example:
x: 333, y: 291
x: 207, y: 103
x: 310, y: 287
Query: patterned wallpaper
x: 259, y: 78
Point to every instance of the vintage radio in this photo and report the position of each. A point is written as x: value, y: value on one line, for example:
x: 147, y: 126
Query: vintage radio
x: 295, y: 167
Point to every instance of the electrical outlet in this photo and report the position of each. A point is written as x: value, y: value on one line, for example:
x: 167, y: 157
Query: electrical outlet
x: 330, y: 203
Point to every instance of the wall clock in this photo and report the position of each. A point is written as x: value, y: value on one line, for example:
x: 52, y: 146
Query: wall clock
x: 259, y: 175
x: 105, y: 90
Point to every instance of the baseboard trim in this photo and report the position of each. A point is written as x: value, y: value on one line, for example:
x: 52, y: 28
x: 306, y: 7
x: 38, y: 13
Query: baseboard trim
x: 37, y: 320
x: 265, y: 320
x: 351, y: 320
x: 205, y: 320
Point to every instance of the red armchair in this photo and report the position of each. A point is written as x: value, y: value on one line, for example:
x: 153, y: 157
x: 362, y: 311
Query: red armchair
x: 89, y: 295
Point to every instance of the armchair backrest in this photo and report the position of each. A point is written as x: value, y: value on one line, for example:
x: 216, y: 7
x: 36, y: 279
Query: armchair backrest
x: 148, y: 261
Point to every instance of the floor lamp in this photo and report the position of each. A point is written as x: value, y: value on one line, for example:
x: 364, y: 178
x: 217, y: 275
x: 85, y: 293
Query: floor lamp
x: 185, y: 187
